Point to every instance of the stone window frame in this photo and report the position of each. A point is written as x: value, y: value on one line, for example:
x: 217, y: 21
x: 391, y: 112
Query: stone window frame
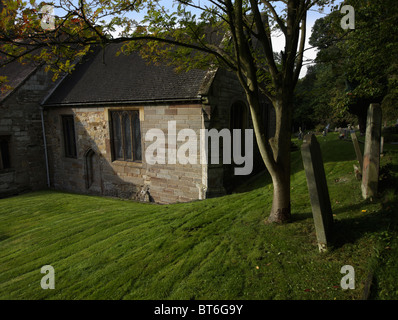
x: 5, y: 155
x: 266, y: 116
x: 242, y: 117
x: 69, y: 138
x: 121, y: 111
x: 89, y: 167
x: 239, y: 119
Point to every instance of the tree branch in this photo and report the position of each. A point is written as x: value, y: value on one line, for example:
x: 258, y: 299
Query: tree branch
x: 265, y: 39
x: 301, y: 49
x: 278, y: 19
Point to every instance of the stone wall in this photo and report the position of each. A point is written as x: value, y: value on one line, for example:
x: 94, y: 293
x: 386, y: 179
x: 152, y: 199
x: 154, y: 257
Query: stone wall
x: 21, y: 121
x: 168, y: 183
x: 226, y: 91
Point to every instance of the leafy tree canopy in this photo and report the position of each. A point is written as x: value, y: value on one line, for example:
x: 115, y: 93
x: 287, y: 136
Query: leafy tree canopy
x: 364, y: 59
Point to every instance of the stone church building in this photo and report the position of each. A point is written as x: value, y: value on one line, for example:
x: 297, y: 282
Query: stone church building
x: 86, y: 133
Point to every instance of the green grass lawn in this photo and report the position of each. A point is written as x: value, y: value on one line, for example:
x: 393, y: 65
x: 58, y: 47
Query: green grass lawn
x: 104, y: 248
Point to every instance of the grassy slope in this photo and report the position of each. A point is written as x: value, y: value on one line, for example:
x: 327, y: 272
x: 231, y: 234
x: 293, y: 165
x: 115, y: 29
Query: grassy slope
x: 214, y: 249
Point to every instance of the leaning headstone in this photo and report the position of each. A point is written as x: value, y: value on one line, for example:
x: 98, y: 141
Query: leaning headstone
x: 318, y: 190
x: 357, y: 149
x: 371, y: 156
x: 382, y: 145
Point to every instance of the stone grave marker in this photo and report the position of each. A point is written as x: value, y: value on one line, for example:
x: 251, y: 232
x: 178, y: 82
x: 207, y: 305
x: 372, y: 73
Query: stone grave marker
x: 382, y: 145
x: 318, y: 190
x: 358, y: 151
x: 300, y: 134
x: 371, y: 156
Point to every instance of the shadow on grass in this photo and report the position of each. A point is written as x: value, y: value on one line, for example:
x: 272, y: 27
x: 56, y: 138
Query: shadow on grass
x: 3, y: 236
x: 357, y: 207
x: 300, y: 216
x: 387, y: 180
x: 350, y: 229
x: 384, y: 285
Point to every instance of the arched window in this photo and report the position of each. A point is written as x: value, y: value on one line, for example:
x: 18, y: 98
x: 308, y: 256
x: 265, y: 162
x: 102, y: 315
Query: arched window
x: 4, y: 152
x: 126, y: 135
x: 268, y: 116
x: 238, y: 119
x: 68, y: 127
x: 89, y: 167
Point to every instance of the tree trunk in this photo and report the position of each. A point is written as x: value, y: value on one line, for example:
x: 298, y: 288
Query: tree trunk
x: 276, y: 153
x: 280, y: 211
x: 280, y: 173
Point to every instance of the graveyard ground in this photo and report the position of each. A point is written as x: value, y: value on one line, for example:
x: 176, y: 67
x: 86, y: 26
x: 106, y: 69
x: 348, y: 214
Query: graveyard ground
x: 104, y: 248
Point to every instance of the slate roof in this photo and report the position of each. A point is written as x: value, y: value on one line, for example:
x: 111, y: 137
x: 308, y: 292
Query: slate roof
x: 107, y: 78
x: 16, y: 74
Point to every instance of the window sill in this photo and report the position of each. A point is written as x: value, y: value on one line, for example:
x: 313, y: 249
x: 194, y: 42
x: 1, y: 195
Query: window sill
x: 135, y: 164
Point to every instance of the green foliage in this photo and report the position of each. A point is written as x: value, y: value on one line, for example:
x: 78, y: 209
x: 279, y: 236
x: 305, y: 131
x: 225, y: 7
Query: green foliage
x: 357, y: 67
x: 389, y: 104
x: 23, y: 39
x: 319, y: 99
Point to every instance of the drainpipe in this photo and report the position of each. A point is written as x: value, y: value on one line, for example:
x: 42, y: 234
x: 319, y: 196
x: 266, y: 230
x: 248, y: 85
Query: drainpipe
x: 45, y: 145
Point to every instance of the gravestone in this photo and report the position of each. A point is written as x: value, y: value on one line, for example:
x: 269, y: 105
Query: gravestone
x: 382, y: 145
x: 371, y: 156
x: 300, y: 134
x: 346, y: 131
x: 318, y: 190
x: 358, y: 151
